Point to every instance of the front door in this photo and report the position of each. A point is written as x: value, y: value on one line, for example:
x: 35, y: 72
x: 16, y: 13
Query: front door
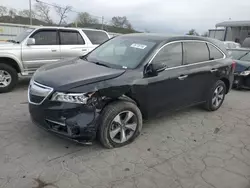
x: 45, y: 50
x: 167, y: 90
x: 72, y: 44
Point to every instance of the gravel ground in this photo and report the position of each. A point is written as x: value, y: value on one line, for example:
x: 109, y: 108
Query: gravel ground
x: 191, y: 148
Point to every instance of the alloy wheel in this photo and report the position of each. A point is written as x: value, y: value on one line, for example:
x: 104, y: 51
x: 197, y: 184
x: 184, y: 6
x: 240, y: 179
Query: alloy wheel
x: 5, y: 78
x: 218, y: 96
x: 123, y: 127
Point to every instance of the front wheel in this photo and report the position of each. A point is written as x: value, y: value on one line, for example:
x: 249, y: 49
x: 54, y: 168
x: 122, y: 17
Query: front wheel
x: 121, y: 123
x: 216, y: 96
x: 8, y: 78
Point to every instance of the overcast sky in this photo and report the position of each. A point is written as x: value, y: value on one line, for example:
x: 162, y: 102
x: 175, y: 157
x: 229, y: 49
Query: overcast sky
x: 166, y: 16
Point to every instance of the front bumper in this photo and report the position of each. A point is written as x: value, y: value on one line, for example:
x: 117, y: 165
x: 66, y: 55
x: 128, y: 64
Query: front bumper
x: 73, y: 121
x: 241, y: 81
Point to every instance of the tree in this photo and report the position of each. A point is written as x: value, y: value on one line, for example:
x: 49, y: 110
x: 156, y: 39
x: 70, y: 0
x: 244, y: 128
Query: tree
x: 3, y: 10
x: 12, y: 12
x: 86, y: 18
x: 192, y: 32
x: 122, y: 22
x: 26, y: 13
x: 62, y: 13
x: 205, y: 34
x: 43, y: 11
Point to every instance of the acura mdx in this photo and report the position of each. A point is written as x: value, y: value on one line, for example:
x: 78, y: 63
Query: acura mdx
x: 107, y: 93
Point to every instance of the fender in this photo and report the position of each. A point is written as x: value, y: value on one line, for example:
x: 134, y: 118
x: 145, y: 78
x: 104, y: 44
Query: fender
x: 14, y: 58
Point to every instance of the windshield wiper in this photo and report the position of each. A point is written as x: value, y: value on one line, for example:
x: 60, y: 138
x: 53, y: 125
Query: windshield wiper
x: 13, y: 41
x: 98, y: 63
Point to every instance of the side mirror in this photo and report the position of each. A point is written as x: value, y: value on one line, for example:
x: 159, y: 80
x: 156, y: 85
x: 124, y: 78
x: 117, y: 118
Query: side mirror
x: 31, y: 41
x: 159, y: 66
x: 154, y: 68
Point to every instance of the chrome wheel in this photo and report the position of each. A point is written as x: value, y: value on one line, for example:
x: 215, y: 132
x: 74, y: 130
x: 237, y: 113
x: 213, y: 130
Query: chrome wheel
x: 218, y: 96
x: 5, y: 78
x: 123, y: 127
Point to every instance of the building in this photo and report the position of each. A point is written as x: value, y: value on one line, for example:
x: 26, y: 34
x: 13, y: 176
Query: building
x: 236, y: 31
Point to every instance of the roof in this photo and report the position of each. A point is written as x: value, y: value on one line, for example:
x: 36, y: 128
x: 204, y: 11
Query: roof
x: 233, y: 24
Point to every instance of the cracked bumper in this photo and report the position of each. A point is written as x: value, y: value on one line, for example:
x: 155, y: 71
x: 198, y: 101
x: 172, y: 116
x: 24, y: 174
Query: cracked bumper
x: 73, y: 121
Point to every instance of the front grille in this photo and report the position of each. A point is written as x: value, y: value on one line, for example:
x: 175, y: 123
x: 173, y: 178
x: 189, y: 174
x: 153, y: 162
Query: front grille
x: 38, y: 93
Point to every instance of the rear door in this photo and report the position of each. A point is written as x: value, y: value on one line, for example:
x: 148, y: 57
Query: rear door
x: 72, y: 44
x: 201, y: 69
x: 45, y: 50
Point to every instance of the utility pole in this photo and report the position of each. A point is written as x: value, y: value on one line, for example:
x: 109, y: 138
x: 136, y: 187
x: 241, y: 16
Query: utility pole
x: 102, y: 22
x: 30, y: 13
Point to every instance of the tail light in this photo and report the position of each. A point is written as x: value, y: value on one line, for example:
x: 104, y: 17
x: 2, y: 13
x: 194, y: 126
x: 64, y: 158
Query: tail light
x: 233, y: 66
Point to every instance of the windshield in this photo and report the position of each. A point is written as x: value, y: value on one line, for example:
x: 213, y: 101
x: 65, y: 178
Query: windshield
x: 23, y: 35
x: 237, y: 54
x: 122, y: 52
x: 96, y: 37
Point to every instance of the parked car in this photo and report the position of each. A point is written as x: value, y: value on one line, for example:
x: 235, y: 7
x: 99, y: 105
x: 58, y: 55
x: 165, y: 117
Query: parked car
x: 231, y: 44
x: 107, y: 92
x: 44, y: 45
x: 242, y: 71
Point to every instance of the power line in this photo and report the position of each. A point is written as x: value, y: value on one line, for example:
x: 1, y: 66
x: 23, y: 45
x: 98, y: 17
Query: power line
x: 58, y: 6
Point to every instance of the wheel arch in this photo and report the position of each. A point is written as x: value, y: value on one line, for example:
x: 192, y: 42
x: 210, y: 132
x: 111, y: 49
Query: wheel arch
x: 11, y: 62
x: 227, y: 83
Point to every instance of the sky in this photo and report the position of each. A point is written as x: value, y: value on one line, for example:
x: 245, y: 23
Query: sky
x: 161, y: 16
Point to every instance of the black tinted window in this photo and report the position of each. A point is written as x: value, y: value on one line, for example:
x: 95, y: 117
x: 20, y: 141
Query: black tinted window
x: 71, y: 38
x: 96, y: 37
x: 171, y: 55
x: 195, y: 52
x: 214, y: 52
x: 45, y: 37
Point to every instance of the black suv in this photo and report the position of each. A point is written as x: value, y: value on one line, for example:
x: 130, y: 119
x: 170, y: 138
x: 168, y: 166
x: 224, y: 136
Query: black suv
x: 108, y: 92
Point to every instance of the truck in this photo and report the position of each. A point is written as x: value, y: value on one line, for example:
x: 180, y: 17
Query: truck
x: 38, y: 46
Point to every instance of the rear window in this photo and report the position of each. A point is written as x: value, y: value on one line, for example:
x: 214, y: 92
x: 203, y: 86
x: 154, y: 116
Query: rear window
x: 96, y: 37
x: 214, y: 52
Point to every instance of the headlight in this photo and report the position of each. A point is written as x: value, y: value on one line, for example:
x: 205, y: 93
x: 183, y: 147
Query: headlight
x: 79, y: 98
x: 245, y: 73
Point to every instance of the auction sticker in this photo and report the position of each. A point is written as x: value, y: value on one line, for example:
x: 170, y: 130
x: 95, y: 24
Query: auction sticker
x: 140, y: 46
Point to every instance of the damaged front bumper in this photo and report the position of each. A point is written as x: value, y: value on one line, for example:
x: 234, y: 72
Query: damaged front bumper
x: 73, y: 121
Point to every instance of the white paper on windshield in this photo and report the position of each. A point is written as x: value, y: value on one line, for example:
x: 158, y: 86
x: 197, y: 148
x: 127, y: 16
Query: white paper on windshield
x: 140, y: 46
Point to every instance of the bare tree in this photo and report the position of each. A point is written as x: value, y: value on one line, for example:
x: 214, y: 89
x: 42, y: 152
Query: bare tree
x: 26, y: 13
x: 192, y: 32
x: 3, y: 10
x: 86, y: 18
x: 43, y: 11
x: 122, y: 22
x: 62, y: 13
x: 12, y: 12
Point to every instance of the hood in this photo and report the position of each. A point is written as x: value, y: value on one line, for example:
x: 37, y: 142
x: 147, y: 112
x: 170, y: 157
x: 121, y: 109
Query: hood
x: 241, y: 65
x: 72, y: 73
x: 8, y: 45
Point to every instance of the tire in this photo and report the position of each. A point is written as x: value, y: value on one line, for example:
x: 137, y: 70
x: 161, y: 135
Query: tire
x: 209, y: 105
x: 107, y: 122
x: 13, y: 80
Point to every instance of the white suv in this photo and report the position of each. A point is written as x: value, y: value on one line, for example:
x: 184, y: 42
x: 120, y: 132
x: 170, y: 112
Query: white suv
x: 43, y: 45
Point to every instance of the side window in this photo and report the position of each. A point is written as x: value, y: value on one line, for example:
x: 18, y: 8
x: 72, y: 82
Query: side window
x: 171, y: 55
x: 71, y: 38
x: 246, y: 57
x: 45, y: 37
x: 214, y: 53
x: 195, y: 52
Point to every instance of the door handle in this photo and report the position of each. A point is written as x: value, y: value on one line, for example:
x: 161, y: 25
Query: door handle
x: 53, y: 50
x: 213, y: 70
x: 182, y: 77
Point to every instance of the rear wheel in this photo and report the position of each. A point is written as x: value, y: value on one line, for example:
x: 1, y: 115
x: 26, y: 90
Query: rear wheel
x: 121, y: 123
x: 8, y: 78
x: 216, y: 96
